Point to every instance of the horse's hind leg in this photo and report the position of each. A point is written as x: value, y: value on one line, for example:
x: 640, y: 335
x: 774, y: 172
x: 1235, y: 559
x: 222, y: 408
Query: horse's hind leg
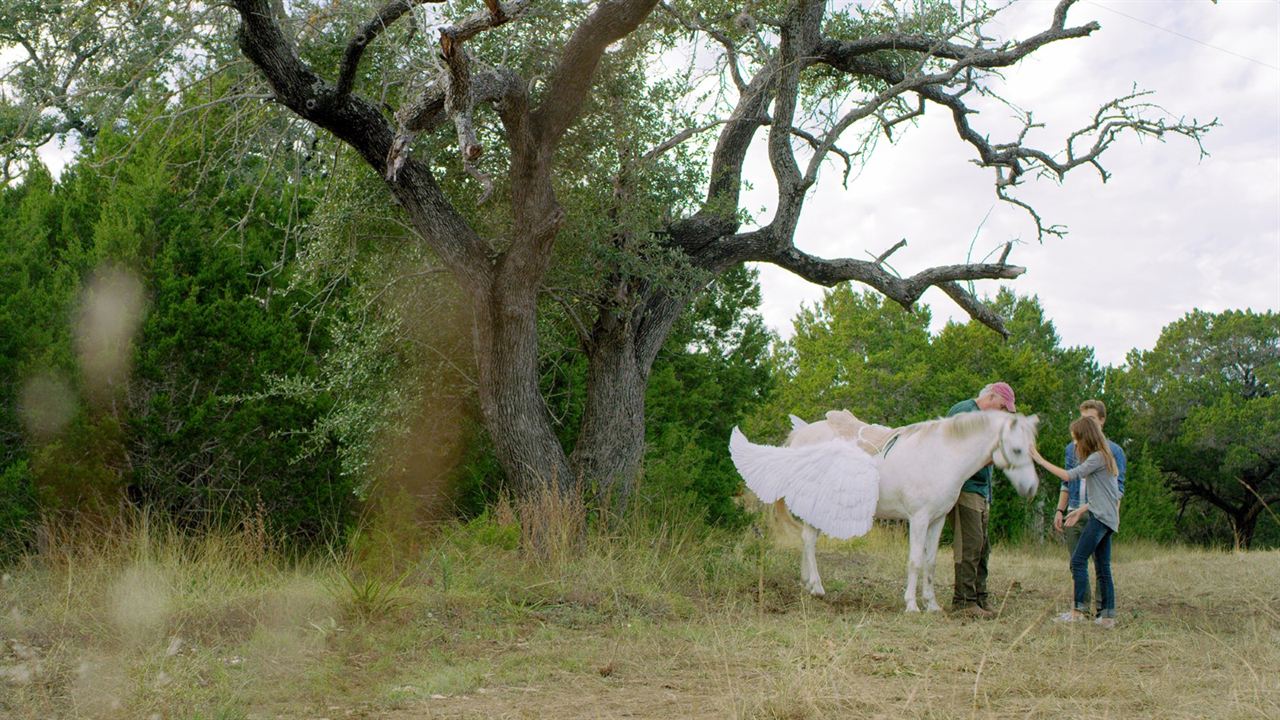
x: 930, y: 562
x: 809, y: 563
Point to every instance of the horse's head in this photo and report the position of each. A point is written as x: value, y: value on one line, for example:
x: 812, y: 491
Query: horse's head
x: 1013, y: 453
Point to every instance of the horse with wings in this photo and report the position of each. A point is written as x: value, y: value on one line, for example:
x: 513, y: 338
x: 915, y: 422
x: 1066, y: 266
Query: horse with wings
x: 835, y: 481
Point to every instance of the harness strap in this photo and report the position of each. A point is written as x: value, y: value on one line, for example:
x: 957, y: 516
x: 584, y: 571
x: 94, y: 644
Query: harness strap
x: 889, y: 445
x: 1003, y: 463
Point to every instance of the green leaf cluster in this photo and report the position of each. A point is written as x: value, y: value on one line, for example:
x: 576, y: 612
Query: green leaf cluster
x: 186, y: 433
x: 1205, y: 400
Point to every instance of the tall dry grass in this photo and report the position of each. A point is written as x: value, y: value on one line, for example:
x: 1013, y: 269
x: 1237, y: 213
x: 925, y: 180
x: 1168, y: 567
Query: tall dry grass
x: 645, y: 616
x: 135, y: 618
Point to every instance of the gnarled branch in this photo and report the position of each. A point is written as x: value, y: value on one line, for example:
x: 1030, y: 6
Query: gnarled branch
x: 570, y: 81
x: 905, y: 291
x: 384, y: 18
x: 464, y: 84
x: 361, y: 125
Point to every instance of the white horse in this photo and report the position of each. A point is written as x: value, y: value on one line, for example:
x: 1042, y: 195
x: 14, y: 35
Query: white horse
x: 833, y: 485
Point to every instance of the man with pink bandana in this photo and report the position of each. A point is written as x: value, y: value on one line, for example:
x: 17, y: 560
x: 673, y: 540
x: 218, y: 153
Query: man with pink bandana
x: 971, y: 516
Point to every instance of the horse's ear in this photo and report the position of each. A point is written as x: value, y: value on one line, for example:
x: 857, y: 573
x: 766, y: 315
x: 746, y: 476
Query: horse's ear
x: 1035, y: 421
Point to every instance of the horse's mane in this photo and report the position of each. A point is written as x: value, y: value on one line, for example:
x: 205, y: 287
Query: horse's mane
x: 957, y: 426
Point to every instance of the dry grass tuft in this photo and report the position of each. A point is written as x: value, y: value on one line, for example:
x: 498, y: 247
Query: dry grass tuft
x: 552, y: 521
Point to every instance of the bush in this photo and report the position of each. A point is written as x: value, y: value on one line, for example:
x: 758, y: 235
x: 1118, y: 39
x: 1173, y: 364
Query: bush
x: 1149, y: 509
x: 17, y: 509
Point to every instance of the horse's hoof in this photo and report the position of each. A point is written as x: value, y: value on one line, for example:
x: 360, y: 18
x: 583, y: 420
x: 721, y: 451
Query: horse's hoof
x: 817, y: 591
x: 934, y: 608
x: 913, y: 609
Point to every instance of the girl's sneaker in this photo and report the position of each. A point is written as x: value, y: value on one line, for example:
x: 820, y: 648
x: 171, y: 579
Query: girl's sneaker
x: 1106, y: 622
x: 1069, y: 617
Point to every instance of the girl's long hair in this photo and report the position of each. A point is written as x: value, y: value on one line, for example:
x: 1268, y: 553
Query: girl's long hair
x: 1089, y: 440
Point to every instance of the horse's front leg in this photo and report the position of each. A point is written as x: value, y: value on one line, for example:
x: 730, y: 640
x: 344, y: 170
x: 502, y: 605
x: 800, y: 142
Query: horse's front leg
x: 809, y: 567
x: 917, y: 532
x: 930, y: 562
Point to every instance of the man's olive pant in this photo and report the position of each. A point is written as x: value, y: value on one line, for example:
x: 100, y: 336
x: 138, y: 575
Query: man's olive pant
x: 969, y: 519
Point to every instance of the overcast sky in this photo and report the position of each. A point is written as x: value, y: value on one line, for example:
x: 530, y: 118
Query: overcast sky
x: 1167, y: 233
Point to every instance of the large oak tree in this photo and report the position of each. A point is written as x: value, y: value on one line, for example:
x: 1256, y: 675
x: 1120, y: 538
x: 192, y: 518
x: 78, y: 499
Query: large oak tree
x: 527, y: 102
x: 801, y: 77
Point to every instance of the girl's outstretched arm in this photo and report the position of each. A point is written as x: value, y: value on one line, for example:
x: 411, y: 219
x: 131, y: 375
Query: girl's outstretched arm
x: 1057, y: 471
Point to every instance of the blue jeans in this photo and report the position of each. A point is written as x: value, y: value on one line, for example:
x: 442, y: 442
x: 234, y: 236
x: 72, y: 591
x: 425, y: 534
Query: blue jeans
x: 1094, y: 540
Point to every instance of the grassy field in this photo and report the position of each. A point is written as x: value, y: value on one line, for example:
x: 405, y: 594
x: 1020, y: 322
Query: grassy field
x: 649, y: 622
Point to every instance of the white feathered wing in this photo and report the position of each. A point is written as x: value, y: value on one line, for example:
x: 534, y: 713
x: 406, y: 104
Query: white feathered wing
x: 832, y: 485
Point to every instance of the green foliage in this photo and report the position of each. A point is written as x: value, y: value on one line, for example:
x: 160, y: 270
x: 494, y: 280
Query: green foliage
x: 39, y: 280
x: 711, y: 372
x: 858, y: 351
x: 17, y: 509
x: 73, y: 70
x: 1149, y: 509
x: 84, y: 467
x: 218, y: 324
x: 1205, y: 399
x: 212, y: 340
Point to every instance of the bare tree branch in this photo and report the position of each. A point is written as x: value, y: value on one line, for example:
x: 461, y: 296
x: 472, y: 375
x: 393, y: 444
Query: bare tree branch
x: 977, y: 309
x: 887, y: 124
x: 844, y: 54
x: 369, y: 32
x: 495, y: 14
x: 676, y: 139
x: 358, y: 123
x: 1011, y: 160
x: 822, y: 147
x: 584, y: 335
x: 904, y: 291
x: 800, y: 35
x: 901, y: 244
x: 459, y: 103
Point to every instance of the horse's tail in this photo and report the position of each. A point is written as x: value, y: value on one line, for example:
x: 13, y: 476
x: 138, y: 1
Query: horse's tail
x: 785, y: 524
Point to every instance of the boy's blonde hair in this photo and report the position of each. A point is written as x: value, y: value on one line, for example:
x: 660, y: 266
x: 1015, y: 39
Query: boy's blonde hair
x: 1096, y: 406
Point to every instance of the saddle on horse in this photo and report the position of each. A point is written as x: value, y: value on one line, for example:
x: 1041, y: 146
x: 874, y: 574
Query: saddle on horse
x: 872, y: 438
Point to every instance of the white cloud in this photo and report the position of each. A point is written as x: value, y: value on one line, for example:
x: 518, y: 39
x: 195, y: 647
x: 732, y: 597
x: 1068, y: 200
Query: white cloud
x: 1167, y: 234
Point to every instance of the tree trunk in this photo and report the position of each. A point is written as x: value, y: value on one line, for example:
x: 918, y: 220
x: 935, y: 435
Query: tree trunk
x: 610, y: 447
x: 610, y: 450
x: 515, y: 414
x: 1243, y: 526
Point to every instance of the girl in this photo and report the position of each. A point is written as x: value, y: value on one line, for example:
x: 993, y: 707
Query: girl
x: 1100, y: 497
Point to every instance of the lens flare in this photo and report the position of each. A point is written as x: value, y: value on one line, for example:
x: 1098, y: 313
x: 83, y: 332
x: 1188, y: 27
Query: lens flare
x: 46, y: 403
x: 110, y: 313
